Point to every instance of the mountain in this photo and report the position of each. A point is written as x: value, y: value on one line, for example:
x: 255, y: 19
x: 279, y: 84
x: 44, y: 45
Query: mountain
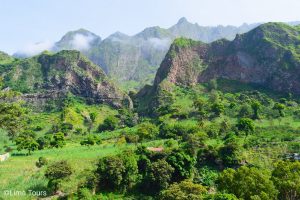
x: 267, y: 56
x: 132, y: 61
x: 81, y: 40
x: 51, y: 76
x: 5, y: 58
x: 207, y: 34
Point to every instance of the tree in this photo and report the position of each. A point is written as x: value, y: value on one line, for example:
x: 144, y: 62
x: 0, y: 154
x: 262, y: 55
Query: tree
x: 217, y: 109
x: 127, y: 117
x: 158, y: 176
x: 279, y: 107
x: 58, y: 140
x: 90, y: 140
x: 182, y: 164
x: 247, y: 183
x: 193, y: 142
x: 26, y: 141
x: 147, y: 130
x: 246, y: 125
x: 221, y: 196
x: 117, y: 173
x: 200, y: 105
x: 229, y: 153
x: 245, y: 111
x: 93, y: 116
x: 185, y: 190
x: 256, y: 106
x: 286, y: 177
x: 44, y: 142
x: 57, y: 172
x: 109, y: 124
x: 12, y: 118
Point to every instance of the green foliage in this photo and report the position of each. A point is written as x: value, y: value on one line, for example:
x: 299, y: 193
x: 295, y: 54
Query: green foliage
x: 256, y: 106
x: 58, y: 140
x: 185, y: 190
x: 26, y: 141
x: 109, y: 124
x: 221, y: 196
x: 246, y: 125
x: 217, y: 109
x: 147, y: 131
x: 182, y: 164
x: 90, y: 140
x: 247, y: 183
x: 42, y: 161
x: 12, y: 118
x: 184, y: 42
x: 177, y: 130
x: 56, y: 172
x: 279, y: 107
x: 229, y: 153
x: 93, y: 116
x: 286, y: 178
x: 117, y: 173
x: 158, y: 176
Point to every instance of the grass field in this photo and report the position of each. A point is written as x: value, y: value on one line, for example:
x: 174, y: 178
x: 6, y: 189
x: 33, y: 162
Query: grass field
x: 20, y: 173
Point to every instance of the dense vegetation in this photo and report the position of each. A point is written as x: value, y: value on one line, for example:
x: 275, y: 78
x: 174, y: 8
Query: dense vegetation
x: 216, y: 140
x: 210, y: 141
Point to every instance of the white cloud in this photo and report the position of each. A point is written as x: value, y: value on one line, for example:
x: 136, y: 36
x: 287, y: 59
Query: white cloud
x: 160, y: 44
x: 36, y: 48
x: 82, y: 42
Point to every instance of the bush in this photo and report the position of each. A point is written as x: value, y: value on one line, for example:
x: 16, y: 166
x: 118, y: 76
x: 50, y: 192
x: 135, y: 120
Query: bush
x: 41, y: 162
x: 57, y: 172
x: 109, y: 124
x: 147, y: 131
x: 117, y: 173
x: 247, y: 183
x: 90, y: 140
x: 158, y: 176
x: 182, y: 164
x: 185, y: 190
x: 286, y: 177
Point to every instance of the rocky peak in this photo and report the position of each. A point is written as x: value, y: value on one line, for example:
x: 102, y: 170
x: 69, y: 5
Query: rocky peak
x: 182, y: 20
x: 268, y: 56
x: 80, y: 39
x: 61, y: 73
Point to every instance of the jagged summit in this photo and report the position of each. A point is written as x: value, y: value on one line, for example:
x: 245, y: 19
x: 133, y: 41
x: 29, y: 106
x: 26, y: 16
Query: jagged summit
x: 182, y: 20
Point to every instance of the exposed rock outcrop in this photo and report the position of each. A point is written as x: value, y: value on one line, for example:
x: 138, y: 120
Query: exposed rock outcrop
x: 53, y: 76
x: 268, y: 56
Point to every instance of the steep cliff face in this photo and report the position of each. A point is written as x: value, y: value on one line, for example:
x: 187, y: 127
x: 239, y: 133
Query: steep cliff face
x: 268, y: 56
x: 52, y: 76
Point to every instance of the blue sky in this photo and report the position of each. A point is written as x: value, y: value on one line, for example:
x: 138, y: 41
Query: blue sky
x: 24, y: 22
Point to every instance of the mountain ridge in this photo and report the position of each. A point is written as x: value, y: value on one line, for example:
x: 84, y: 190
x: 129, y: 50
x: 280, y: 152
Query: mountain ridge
x: 51, y: 76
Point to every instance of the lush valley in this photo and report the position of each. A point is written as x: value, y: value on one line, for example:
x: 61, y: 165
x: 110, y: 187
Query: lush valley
x: 220, y: 122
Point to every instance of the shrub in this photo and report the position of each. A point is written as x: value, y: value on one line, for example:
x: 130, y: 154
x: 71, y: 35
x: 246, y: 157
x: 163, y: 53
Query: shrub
x: 109, y: 124
x: 147, y: 131
x: 41, y: 162
x: 158, y: 176
x: 57, y: 172
x: 117, y: 173
x: 184, y: 190
x: 247, y: 183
